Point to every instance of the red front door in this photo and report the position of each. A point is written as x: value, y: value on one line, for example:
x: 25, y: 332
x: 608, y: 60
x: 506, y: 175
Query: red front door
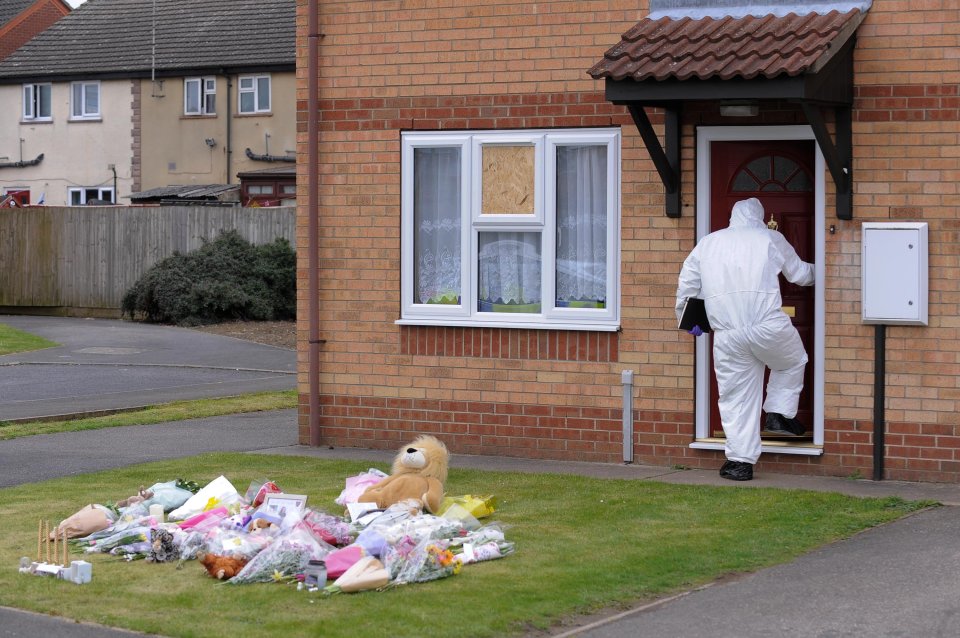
x: 780, y: 175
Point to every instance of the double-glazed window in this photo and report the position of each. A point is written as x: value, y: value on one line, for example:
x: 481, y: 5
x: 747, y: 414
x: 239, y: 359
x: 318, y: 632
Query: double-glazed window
x: 254, y: 93
x: 511, y: 228
x: 84, y: 100
x: 91, y: 195
x: 200, y: 96
x: 36, y: 102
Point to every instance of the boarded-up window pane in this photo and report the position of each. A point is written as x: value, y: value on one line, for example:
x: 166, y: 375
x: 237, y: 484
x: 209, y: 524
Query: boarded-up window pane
x: 508, y: 180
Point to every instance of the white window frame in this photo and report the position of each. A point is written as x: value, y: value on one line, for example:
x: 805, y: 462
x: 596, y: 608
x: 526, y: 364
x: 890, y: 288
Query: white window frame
x: 206, y: 89
x: 82, y: 191
x: 78, y: 111
x: 32, y: 101
x: 543, y: 221
x: 254, y: 89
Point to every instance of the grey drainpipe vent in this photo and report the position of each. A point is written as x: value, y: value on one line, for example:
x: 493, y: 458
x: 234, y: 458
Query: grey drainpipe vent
x: 270, y: 158
x: 22, y: 163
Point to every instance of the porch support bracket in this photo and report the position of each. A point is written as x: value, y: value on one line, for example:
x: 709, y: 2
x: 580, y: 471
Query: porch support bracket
x: 665, y: 158
x: 837, y: 156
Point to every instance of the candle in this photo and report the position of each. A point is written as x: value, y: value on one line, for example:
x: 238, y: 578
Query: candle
x: 156, y: 511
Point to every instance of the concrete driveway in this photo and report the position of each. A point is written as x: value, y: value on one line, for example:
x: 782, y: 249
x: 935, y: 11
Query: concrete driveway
x: 104, y: 364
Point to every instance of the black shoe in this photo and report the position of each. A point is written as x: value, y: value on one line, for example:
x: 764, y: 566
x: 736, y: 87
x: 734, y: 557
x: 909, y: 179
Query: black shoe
x: 782, y: 426
x: 736, y: 471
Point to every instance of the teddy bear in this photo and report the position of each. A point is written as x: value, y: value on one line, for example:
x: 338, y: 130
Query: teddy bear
x: 419, y: 472
x: 222, y: 567
x: 162, y: 547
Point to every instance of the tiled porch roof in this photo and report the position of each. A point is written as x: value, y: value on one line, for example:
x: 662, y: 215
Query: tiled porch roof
x: 727, y: 47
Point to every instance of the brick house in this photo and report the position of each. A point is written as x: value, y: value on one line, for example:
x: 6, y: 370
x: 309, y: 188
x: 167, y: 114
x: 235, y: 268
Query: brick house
x: 20, y: 20
x: 121, y: 97
x: 453, y: 141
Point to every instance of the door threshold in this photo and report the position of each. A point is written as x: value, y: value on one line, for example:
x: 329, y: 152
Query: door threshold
x: 803, y: 448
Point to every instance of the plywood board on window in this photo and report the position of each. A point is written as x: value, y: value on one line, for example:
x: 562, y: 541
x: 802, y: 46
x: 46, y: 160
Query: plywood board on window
x: 508, y: 180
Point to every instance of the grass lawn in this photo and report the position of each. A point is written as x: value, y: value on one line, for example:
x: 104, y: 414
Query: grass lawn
x: 595, y: 543
x: 13, y: 340
x: 176, y: 411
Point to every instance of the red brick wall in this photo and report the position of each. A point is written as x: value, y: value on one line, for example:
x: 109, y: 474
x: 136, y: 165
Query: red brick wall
x: 390, y: 66
x: 38, y: 17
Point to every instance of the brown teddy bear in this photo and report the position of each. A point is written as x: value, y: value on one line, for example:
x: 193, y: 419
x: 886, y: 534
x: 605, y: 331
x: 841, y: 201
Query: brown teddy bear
x: 222, y: 567
x: 419, y: 472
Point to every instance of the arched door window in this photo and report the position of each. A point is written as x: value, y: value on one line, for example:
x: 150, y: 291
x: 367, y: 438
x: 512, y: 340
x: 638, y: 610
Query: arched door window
x: 772, y: 174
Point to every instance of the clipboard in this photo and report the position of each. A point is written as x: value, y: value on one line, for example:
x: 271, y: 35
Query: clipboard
x: 694, y: 314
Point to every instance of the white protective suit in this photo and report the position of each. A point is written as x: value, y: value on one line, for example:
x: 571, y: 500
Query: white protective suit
x: 734, y: 270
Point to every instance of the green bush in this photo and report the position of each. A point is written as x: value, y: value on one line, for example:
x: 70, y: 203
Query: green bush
x: 224, y: 280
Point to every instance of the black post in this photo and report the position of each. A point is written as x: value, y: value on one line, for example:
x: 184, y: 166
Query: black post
x: 879, y: 398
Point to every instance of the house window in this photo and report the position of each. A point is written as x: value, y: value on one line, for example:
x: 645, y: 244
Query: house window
x: 84, y: 100
x: 254, y: 94
x: 36, y: 101
x: 200, y: 96
x: 92, y: 196
x: 511, y: 228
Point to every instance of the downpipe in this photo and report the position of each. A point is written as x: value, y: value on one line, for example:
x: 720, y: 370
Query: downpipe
x: 626, y: 379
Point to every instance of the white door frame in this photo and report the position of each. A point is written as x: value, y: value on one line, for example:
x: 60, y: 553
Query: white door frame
x: 705, y: 136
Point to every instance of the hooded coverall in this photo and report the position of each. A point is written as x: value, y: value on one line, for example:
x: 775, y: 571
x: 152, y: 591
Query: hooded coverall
x: 734, y: 270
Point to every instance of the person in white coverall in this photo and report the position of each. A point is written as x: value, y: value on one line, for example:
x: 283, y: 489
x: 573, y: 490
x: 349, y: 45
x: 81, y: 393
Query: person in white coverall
x: 734, y: 270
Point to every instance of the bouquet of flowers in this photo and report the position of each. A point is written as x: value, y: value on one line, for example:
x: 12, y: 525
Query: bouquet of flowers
x: 283, y: 559
x: 410, y: 561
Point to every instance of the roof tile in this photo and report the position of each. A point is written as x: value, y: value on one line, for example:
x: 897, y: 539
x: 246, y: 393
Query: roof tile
x: 116, y: 37
x: 727, y: 47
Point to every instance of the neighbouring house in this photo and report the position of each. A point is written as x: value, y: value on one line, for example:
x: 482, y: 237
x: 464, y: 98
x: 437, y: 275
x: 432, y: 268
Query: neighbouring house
x: 276, y: 186
x: 20, y: 20
x: 121, y: 97
x: 501, y: 197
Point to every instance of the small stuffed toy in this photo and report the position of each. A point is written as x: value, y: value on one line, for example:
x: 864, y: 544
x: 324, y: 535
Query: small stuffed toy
x: 419, y: 472
x: 162, y: 548
x: 141, y: 495
x: 222, y: 567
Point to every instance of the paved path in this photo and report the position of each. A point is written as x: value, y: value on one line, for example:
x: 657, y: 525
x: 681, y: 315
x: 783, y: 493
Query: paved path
x: 104, y: 364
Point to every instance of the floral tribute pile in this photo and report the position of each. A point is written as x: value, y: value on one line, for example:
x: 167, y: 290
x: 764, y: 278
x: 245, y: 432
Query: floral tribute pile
x: 265, y: 535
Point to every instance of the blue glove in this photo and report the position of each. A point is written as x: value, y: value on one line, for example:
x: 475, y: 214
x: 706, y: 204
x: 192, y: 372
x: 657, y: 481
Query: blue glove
x: 695, y: 331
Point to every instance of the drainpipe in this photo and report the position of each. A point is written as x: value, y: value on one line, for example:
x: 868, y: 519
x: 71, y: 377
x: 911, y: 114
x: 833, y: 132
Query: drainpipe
x: 626, y: 378
x: 228, y: 148
x: 879, y: 398
x: 313, y: 217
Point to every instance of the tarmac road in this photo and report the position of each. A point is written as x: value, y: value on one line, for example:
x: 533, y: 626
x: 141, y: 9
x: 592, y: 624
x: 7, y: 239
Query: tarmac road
x: 104, y: 364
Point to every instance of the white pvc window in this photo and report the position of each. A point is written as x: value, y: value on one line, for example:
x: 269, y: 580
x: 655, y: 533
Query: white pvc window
x: 254, y: 94
x: 84, y: 100
x: 511, y: 228
x: 90, y: 195
x: 200, y: 96
x: 36, y: 101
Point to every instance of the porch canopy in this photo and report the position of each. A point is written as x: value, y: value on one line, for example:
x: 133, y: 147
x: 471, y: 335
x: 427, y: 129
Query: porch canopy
x: 738, y: 53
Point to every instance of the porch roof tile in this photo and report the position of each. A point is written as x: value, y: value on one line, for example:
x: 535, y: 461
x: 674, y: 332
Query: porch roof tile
x: 727, y: 47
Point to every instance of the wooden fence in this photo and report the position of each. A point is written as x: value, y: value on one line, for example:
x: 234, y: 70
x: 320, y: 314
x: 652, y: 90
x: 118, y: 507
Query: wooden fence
x: 81, y: 260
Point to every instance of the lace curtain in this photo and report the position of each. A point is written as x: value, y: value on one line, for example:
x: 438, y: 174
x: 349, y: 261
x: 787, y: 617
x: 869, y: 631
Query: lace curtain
x: 509, y: 271
x: 436, y: 217
x: 581, y: 225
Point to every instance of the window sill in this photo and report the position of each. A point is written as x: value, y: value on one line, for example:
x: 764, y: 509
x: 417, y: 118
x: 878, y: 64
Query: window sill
x: 80, y: 120
x: 804, y: 448
x: 264, y: 114
x: 45, y: 120
x: 198, y: 116
x: 527, y: 325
